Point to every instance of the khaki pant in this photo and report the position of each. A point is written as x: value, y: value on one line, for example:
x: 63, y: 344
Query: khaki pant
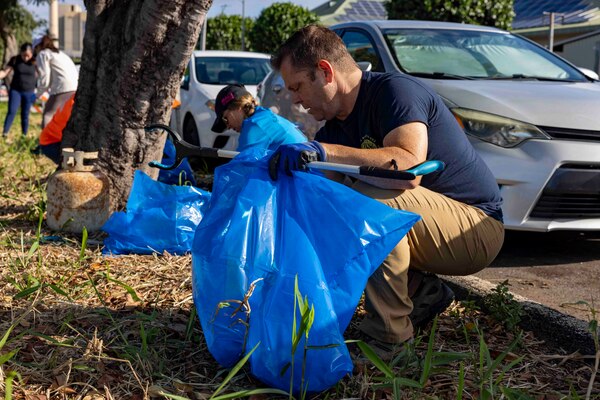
x: 452, y: 238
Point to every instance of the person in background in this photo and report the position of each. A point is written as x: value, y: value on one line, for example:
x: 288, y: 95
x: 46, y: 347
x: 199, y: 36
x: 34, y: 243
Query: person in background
x: 57, y: 73
x: 51, y: 139
x: 22, y: 87
x: 237, y: 109
x: 51, y: 136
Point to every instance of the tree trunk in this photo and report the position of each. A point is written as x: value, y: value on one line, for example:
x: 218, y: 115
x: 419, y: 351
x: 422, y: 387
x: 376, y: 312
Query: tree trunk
x: 11, y: 48
x: 134, y: 55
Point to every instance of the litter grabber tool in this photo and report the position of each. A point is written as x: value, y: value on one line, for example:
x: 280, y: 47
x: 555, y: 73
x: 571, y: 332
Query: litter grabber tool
x: 184, y: 149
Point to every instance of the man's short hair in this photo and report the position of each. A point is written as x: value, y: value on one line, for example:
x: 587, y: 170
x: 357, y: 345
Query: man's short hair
x: 309, y: 45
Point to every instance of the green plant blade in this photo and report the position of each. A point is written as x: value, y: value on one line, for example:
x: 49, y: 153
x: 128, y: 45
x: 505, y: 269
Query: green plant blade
x: 427, y: 362
x: 27, y: 292
x: 235, y: 370
x: 8, y: 384
x: 247, y: 393
x: 125, y: 286
x: 375, y: 359
x: 58, y: 290
x: 6, y: 335
x: 84, y: 236
x: 5, y: 357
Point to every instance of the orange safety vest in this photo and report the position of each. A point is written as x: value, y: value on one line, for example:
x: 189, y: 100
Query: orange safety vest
x: 52, y: 133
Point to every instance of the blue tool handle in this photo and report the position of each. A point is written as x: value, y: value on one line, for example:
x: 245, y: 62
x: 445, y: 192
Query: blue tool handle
x: 427, y: 167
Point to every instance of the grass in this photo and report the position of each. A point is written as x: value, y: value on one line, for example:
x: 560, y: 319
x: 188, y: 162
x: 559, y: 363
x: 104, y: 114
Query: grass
x: 75, y: 325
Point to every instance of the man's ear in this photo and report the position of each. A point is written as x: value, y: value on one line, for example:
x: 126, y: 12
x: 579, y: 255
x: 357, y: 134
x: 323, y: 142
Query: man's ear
x: 327, y: 69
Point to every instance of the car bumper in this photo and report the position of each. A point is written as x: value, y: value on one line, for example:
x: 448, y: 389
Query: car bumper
x: 547, y: 184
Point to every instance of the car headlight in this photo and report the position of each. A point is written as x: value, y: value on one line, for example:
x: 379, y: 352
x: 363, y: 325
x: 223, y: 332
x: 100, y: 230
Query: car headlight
x: 501, y: 131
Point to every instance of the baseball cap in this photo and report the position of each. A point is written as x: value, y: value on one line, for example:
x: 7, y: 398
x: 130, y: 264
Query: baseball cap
x: 228, y: 94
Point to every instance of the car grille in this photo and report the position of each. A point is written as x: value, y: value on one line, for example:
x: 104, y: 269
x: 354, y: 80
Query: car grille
x: 572, y: 192
x: 576, y: 134
x: 567, y: 206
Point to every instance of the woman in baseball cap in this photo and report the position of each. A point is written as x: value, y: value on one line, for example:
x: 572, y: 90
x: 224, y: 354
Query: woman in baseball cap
x: 259, y: 127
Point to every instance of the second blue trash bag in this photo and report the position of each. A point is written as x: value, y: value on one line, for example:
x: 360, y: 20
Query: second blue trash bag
x: 159, y: 218
x: 267, y: 233
x: 178, y: 175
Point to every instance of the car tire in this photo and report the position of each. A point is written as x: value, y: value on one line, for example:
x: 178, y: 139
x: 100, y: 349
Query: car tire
x: 190, y: 131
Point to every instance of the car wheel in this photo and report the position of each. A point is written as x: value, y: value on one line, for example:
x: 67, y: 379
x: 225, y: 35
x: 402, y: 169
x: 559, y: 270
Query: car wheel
x: 190, y: 131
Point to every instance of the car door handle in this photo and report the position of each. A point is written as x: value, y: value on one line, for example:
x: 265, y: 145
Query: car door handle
x: 277, y: 88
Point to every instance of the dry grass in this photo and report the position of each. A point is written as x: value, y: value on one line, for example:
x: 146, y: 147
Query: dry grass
x: 124, y: 328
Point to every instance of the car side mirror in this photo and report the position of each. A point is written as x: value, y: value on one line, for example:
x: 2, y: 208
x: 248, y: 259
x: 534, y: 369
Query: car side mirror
x: 185, y: 82
x: 589, y: 73
x: 364, y: 65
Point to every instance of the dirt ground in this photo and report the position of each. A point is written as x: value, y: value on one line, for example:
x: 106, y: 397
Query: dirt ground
x: 551, y: 268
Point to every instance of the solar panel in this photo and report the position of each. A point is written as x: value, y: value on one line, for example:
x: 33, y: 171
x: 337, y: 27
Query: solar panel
x: 530, y: 13
x: 363, y: 9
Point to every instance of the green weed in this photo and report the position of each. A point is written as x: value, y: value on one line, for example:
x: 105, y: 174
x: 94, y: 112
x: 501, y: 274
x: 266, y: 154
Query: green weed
x: 503, y: 308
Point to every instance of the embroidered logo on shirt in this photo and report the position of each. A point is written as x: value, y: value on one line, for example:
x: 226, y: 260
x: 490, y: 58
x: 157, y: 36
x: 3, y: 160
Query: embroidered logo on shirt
x: 367, y: 142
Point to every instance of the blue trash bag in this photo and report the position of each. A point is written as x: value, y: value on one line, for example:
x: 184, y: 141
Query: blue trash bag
x: 159, y: 218
x: 177, y: 176
x: 256, y: 237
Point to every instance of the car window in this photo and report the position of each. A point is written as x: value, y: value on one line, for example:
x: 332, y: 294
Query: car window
x: 361, y: 49
x: 475, y: 54
x: 226, y: 70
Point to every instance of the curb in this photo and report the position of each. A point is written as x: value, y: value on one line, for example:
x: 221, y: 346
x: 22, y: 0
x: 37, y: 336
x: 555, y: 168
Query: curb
x: 560, y: 330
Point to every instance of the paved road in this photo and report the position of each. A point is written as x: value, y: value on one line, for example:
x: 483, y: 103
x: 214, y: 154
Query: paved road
x: 551, y: 268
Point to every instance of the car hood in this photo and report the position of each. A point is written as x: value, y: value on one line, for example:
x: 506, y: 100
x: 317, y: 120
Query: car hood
x: 553, y: 104
x: 213, y: 90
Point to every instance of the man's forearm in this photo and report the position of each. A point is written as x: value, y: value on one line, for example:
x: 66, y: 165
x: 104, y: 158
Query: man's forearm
x: 386, y: 157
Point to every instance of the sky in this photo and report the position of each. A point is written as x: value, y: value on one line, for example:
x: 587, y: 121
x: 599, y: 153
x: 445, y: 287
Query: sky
x: 252, y: 7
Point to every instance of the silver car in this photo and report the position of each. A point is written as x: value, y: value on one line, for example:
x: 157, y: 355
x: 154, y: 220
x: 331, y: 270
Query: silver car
x: 532, y: 116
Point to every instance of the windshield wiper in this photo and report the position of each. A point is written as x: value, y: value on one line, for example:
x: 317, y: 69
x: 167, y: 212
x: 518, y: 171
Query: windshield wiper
x: 438, y: 75
x: 526, y: 77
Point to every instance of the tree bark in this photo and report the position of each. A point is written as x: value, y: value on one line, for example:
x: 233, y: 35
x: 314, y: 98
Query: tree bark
x: 134, y: 55
x: 11, y: 48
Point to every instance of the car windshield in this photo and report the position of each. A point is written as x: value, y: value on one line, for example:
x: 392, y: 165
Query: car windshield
x: 226, y: 70
x: 447, y: 53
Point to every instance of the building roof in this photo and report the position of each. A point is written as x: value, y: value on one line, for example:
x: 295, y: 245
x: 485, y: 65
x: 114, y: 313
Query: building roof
x: 577, y: 38
x: 336, y: 11
x: 530, y: 13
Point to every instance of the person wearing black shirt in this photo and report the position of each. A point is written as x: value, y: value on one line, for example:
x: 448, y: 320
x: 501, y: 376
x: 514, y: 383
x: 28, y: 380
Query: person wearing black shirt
x: 392, y: 120
x: 22, y: 87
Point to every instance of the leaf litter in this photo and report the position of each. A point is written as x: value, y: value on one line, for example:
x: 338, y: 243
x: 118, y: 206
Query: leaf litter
x: 125, y: 327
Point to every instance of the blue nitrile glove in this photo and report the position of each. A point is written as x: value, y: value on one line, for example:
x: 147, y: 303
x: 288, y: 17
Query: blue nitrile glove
x: 294, y: 157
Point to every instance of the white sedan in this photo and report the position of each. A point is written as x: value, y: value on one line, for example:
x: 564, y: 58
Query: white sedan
x: 532, y: 116
x: 207, y: 73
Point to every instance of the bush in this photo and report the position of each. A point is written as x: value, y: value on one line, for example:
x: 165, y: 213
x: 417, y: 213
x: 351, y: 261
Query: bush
x: 498, y: 13
x: 278, y: 22
x: 224, y: 32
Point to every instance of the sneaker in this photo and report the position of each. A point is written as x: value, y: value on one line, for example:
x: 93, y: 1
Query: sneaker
x: 431, y: 298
